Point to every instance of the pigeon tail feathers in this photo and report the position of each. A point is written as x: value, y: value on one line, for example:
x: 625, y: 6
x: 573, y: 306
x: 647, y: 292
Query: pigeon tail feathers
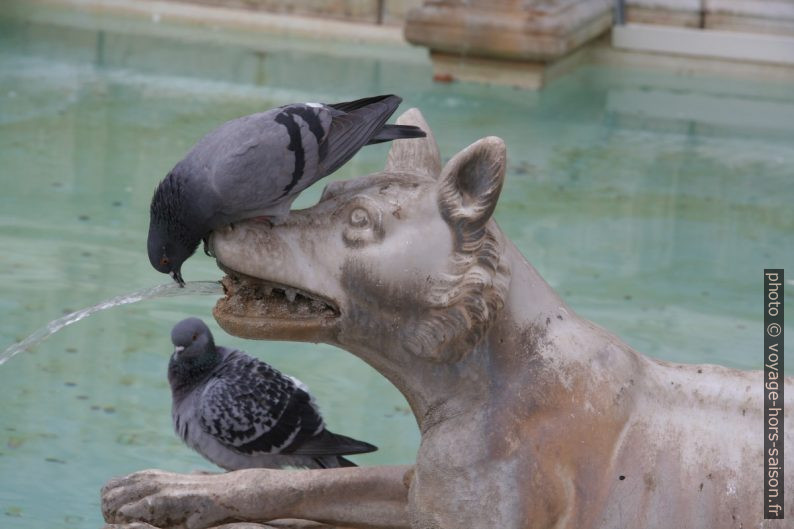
x: 329, y: 443
x: 350, y: 106
x: 397, y: 132
x: 344, y: 462
x: 333, y: 462
x: 352, y: 127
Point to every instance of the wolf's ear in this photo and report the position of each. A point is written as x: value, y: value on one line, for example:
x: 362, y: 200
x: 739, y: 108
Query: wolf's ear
x: 470, y: 184
x: 418, y: 155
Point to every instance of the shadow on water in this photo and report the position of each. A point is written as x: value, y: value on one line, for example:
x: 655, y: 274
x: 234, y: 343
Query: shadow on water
x: 167, y: 290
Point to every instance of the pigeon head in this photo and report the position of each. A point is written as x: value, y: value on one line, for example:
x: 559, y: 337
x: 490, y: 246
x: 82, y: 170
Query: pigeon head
x: 173, y: 237
x: 191, y: 337
x: 166, y: 253
x: 194, y: 351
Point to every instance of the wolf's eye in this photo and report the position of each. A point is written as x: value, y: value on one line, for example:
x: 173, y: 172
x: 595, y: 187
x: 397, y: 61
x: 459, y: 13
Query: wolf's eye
x: 359, y: 217
x: 364, y: 222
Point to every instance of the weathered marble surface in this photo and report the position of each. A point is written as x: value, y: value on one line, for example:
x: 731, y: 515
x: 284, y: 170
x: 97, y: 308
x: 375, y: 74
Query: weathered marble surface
x: 531, y: 417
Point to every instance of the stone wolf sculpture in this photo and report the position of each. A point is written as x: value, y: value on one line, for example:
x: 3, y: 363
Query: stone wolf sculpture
x: 530, y: 416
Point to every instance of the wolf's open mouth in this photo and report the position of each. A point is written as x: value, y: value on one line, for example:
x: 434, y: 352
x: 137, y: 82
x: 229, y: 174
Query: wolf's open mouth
x: 249, y: 296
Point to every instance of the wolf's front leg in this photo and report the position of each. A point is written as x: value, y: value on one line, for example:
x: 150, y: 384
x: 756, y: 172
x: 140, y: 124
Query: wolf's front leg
x: 355, y: 497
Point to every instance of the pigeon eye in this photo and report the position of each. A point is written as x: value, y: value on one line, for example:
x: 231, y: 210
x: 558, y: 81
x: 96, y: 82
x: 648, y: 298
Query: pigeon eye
x: 195, y: 335
x: 164, y: 261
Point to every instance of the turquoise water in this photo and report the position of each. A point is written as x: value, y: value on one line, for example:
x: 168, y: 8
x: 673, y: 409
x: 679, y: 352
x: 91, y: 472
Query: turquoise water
x: 650, y: 202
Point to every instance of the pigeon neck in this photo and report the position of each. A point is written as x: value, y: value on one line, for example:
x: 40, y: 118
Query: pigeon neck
x: 175, y: 206
x: 191, y: 370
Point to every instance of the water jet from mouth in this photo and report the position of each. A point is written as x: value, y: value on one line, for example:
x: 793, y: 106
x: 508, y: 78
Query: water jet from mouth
x: 160, y: 291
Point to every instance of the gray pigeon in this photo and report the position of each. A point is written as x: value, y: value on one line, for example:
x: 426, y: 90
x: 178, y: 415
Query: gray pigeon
x: 255, y: 166
x: 239, y: 412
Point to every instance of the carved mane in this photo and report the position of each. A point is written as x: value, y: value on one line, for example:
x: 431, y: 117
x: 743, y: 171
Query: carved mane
x: 464, y: 301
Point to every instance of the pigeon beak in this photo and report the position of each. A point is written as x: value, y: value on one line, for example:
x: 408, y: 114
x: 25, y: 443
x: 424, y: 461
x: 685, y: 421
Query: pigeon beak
x: 178, y: 349
x: 176, y: 275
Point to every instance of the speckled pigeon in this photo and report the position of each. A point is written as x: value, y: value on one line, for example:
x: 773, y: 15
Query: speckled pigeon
x: 239, y: 412
x: 255, y: 166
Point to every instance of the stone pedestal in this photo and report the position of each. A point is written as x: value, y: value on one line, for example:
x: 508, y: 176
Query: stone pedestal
x: 505, y: 41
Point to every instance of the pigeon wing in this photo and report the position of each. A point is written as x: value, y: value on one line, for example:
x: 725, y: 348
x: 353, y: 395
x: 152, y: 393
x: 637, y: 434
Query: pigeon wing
x: 353, y: 125
x: 316, y: 441
x: 251, y: 407
x: 257, y: 164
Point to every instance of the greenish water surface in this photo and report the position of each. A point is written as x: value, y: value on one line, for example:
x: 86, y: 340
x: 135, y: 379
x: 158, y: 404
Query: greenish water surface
x: 650, y: 202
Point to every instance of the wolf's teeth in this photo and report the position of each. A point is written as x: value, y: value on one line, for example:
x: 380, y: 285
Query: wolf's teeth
x: 290, y: 293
